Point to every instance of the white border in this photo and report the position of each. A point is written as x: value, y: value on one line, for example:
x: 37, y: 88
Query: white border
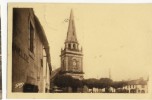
x: 4, y: 45
x: 85, y: 1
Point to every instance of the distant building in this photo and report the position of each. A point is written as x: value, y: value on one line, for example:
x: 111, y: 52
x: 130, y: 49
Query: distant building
x: 112, y: 90
x: 31, y: 66
x: 137, y: 86
x: 90, y: 90
x: 72, y: 56
x: 95, y: 90
x: 103, y: 90
x: 54, y: 74
x: 85, y: 89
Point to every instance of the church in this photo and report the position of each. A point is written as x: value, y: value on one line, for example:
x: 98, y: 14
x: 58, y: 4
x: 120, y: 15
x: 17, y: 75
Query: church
x: 72, y: 55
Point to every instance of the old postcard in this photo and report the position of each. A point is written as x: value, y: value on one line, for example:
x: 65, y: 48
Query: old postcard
x: 79, y: 51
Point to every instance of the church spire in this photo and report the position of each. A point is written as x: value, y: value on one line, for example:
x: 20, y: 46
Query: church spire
x: 71, y: 55
x: 71, y: 34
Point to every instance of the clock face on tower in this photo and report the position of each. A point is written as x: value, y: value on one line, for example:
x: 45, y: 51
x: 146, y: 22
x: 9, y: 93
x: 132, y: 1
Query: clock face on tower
x: 74, y: 64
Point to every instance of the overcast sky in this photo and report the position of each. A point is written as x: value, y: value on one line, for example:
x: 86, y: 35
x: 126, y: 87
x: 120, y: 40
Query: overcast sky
x: 113, y: 36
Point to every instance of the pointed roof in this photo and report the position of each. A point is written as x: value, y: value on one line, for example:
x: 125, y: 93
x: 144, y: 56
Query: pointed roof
x: 71, y: 34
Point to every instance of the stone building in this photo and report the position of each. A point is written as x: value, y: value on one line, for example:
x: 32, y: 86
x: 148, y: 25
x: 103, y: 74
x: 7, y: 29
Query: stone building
x: 31, y: 64
x: 71, y: 55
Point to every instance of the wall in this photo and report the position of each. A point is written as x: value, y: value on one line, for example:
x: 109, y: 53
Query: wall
x: 26, y: 66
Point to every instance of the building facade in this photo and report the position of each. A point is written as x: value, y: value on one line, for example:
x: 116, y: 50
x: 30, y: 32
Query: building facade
x: 71, y: 55
x: 31, y: 65
x: 137, y: 86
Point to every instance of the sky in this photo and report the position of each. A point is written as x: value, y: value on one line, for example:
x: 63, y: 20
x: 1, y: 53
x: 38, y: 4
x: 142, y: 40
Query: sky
x: 113, y: 36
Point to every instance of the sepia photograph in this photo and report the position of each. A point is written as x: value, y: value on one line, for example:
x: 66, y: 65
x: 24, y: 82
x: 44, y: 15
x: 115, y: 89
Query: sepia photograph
x: 57, y: 50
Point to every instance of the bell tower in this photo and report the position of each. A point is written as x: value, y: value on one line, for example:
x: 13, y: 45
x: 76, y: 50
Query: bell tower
x: 71, y: 55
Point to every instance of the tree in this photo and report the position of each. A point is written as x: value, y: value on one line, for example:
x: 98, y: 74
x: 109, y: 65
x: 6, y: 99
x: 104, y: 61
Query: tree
x: 119, y: 84
x: 92, y: 82
x: 105, y: 82
x: 67, y: 81
x: 101, y: 83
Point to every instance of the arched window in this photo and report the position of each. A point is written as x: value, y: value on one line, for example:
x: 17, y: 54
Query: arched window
x: 74, y: 46
x: 69, y: 46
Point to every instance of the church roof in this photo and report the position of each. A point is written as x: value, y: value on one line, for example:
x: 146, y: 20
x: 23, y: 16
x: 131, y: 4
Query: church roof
x: 55, y: 72
x: 71, y: 34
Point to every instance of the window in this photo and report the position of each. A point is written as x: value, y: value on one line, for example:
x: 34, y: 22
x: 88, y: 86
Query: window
x: 31, y: 38
x: 41, y: 62
x: 69, y: 46
x: 74, y: 46
x: 38, y: 76
x: 63, y: 66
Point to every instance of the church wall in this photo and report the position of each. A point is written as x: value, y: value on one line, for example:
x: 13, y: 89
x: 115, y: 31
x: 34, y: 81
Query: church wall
x: 67, y: 63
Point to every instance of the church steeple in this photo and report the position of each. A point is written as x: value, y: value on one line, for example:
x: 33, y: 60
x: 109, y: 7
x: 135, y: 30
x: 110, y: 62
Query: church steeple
x: 71, y: 55
x: 71, y: 41
x: 71, y: 34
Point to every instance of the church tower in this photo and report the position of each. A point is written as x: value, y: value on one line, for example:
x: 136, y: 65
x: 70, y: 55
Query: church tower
x: 71, y: 55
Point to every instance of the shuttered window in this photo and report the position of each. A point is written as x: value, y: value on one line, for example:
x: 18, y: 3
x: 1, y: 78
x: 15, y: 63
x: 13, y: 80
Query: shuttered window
x: 31, y: 38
